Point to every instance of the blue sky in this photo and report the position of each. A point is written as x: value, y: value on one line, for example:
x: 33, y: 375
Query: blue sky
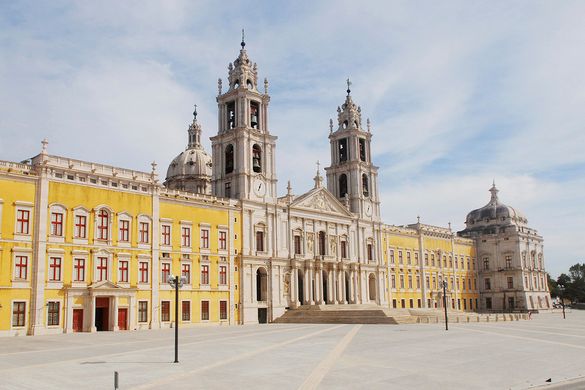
x: 458, y: 92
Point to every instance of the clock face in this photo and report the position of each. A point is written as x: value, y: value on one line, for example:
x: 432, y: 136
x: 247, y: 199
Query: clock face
x: 259, y: 187
x: 368, y: 209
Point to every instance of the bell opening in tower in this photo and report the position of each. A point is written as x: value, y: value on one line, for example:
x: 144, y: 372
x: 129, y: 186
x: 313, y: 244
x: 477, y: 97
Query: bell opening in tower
x: 343, y: 151
x: 362, y: 149
x: 229, y: 159
x: 256, y: 158
x: 231, y: 114
x: 254, y: 110
x: 342, y: 185
x: 365, y: 187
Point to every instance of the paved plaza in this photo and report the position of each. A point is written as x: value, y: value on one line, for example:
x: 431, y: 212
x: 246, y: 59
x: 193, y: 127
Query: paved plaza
x: 502, y: 355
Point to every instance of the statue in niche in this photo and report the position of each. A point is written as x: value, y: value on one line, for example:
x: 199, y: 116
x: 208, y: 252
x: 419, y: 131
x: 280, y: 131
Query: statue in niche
x: 286, y: 285
x: 310, y: 242
x: 333, y: 246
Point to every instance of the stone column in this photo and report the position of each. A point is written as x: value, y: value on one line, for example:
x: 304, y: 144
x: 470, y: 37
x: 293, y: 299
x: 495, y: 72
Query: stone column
x: 333, y: 283
x: 254, y: 284
x: 293, y: 287
x: 114, y: 300
x: 69, y: 313
x: 92, y: 327
x: 351, y: 286
x: 132, y: 312
x: 340, y: 285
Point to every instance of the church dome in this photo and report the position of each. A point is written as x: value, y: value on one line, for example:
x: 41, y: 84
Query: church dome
x: 495, y: 212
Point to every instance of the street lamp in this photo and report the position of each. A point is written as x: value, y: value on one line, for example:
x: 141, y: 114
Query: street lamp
x: 444, y: 284
x: 562, y: 288
x: 176, y: 282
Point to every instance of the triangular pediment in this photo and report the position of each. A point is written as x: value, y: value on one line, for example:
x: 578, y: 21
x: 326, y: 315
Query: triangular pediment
x: 104, y: 285
x: 321, y: 200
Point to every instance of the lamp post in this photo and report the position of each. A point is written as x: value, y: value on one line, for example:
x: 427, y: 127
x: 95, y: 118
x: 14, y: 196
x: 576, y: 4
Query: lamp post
x: 562, y: 288
x: 444, y: 283
x: 176, y: 282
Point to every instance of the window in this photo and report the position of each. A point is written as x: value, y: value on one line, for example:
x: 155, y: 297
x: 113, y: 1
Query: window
x: 185, y: 236
x: 143, y: 233
x: 231, y: 111
x: 488, y: 303
x: 391, y: 256
x: 228, y: 190
x: 222, y: 240
x: 260, y: 241
x: 365, y: 185
x: 417, y: 281
x: 78, y: 270
x: 401, y: 281
x: 165, y: 311
x: 229, y: 159
x: 143, y: 311
x: 186, y: 272
x: 186, y: 310
x: 322, y: 243
x: 510, y: 282
x: 426, y: 259
x: 508, y: 262
x: 57, y: 224
x: 18, y: 314
x: 393, y: 281
x: 342, y: 185
x: 22, y: 221
x: 124, y: 235
x: 362, y: 149
x: 433, y: 259
x: 416, y: 258
x: 53, y: 313
x: 20, y: 267
x: 409, y: 281
x: 103, y: 222
x: 102, y: 269
x: 370, y: 252
x: 488, y: 284
x: 204, y: 238
x: 222, y: 275
x: 143, y: 272
x: 456, y: 262
x: 408, y: 259
x: 297, y: 242
x: 256, y: 158
x: 486, y: 264
x: 123, y: 271
x: 55, y: 269
x: 343, y: 150
x: 428, y: 282
x: 80, y: 230
x: 204, y: 310
x: 400, y: 260
x: 344, y: 249
x: 205, y: 274
x: 165, y: 272
x: 254, y: 110
x: 223, y: 310
x: 166, y: 235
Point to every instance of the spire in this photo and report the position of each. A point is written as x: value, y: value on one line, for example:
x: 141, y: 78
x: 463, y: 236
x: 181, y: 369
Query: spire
x: 348, y: 86
x: 243, y: 44
x: 494, y: 192
x: 242, y: 72
x: 318, y: 178
x: 349, y: 115
x: 194, y: 132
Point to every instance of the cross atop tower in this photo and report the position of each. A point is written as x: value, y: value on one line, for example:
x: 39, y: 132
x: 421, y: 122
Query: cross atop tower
x: 243, y: 41
x: 348, y: 86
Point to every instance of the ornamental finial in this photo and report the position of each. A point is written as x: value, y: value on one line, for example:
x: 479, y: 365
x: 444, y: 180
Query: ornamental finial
x: 348, y: 85
x: 195, y: 113
x: 265, y: 86
x: 330, y: 125
x: 243, y: 40
x: 219, y: 85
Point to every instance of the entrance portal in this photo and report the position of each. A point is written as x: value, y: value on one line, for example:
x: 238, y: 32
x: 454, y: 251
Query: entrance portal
x: 372, y: 287
x: 123, y: 319
x: 301, y: 288
x: 346, y: 287
x: 78, y: 320
x: 102, y: 311
x: 325, y: 287
x: 262, y: 315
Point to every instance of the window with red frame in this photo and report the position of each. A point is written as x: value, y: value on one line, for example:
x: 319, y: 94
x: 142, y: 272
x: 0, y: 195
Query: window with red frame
x: 204, y: 274
x: 143, y: 271
x: 165, y: 272
x: 123, y: 271
x: 186, y: 272
x: 143, y: 311
x: 18, y: 313
x: 53, y: 313
x: 186, y: 310
x: 185, y: 236
x: 103, y: 222
x: 57, y: 224
x: 166, y: 235
x: 204, y: 239
x: 22, y: 221
x: 124, y: 235
x: 78, y: 270
x: 102, y: 268
x: 165, y: 311
x: 80, y: 226
x: 54, y: 269
x: 222, y: 240
x: 143, y: 232
x: 21, y: 267
x: 223, y: 310
x: 222, y: 275
x: 205, y: 310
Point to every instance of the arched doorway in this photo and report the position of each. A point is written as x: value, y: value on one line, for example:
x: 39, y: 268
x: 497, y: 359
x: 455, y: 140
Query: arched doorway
x: 261, y: 286
x: 301, y: 287
x: 346, y: 286
x: 322, y: 244
x: 372, y: 287
x: 325, y: 286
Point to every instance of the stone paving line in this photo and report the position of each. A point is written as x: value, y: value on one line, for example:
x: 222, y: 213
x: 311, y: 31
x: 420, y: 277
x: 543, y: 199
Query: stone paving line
x: 502, y: 355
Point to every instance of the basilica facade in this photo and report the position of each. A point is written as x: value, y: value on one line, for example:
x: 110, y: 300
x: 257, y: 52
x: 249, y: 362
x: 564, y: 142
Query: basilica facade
x: 86, y: 246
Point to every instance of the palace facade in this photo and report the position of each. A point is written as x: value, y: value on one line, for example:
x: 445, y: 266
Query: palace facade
x: 88, y: 247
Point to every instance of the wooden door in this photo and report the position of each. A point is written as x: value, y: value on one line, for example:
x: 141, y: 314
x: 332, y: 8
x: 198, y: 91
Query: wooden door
x: 123, y: 319
x: 78, y: 320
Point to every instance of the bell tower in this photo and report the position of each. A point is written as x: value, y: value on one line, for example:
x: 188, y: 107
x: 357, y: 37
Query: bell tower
x: 352, y: 177
x: 243, y: 150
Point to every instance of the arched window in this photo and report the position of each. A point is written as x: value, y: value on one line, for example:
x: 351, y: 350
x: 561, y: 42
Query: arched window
x: 231, y: 114
x: 249, y: 84
x: 261, y: 285
x: 229, y: 159
x: 257, y: 158
x: 254, y: 113
x: 342, y: 185
x: 365, y: 185
x: 322, y: 243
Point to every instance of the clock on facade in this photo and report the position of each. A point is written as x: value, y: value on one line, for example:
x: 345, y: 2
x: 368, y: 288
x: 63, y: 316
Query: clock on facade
x: 368, y: 209
x: 259, y: 186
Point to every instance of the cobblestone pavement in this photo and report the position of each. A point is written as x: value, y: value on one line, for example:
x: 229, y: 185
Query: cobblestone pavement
x: 502, y: 355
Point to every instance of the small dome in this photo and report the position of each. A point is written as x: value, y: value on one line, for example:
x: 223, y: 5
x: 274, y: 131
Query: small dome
x: 495, y: 212
x: 192, y: 162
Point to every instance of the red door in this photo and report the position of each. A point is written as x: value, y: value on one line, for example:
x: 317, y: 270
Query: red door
x: 122, y: 319
x: 78, y: 320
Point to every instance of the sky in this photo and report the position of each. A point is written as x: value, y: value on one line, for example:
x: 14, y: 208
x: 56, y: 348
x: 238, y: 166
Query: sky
x: 459, y: 94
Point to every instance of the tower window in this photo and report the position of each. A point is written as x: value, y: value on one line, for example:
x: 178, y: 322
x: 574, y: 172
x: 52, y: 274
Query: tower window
x: 345, y: 123
x: 254, y: 110
x: 343, y: 150
x: 229, y: 159
x: 365, y: 185
x: 249, y: 84
x: 342, y: 185
x: 256, y: 158
x: 228, y: 190
x: 362, y: 149
x: 231, y: 115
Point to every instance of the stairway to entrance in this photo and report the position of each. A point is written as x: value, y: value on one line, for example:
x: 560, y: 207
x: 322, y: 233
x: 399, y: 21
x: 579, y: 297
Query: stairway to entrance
x: 346, y: 314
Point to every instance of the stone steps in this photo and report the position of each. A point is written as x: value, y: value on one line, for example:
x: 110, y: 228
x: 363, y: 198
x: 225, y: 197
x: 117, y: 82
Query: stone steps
x: 345, y: 314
